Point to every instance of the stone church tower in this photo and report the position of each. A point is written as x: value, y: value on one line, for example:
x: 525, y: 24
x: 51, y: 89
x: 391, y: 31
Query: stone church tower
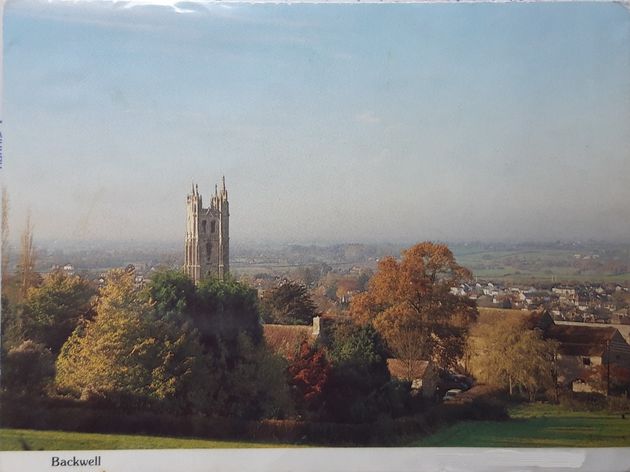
x: 207, y: 235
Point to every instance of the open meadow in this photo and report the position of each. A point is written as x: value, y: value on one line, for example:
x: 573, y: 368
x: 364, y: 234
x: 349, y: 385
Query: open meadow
x: 537, y: 425
x: 28, y: 439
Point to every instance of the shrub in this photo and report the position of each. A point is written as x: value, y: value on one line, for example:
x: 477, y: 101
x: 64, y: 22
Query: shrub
x: 618, y: 404
x: 28, y: 368
x: 582, y: 401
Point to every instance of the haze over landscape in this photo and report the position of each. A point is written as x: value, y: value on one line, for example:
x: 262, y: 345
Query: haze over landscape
x: 331, y: 123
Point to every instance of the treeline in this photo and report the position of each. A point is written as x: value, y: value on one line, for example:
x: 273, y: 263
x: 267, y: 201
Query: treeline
x: 182, y: 349
x: 197, y: 352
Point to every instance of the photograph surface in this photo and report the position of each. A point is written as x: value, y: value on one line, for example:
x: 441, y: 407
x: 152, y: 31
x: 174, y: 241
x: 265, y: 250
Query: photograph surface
x: 316, y: 225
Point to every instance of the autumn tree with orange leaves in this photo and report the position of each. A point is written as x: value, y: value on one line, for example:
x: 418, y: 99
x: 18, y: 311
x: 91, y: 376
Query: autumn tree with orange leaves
x: 410, y: 304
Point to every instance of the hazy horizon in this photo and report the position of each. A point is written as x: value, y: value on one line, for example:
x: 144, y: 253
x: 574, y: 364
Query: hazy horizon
x: 332, y: 123
x: 248, y: 244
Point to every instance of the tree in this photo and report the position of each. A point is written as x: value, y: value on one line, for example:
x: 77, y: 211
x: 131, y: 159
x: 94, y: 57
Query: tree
x: 252, y: 386
x: 359, y: 373
x: 129, y: 352
x: 26, y: 267
x: 27, y: 368
x: 364, y: 279
x: 508, y: 354
x: 243, y: 378
x: 224, y: 310
x: 11, y: 325
x: 52, y: 311
x: 410, y: 304
x: 309, y: 372
x: 289, y: 303
x: 173, y: 295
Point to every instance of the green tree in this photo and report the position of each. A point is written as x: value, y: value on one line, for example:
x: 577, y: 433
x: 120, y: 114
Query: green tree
x: 243, y: 379
x: 225, y: 309
x: 27, y: 277
x: 289, y: 303
x: 11, y: 325
x: 411, y: 299
x: 172, y: 293
x: 253, y: 386
x: 359, y: 373
x: 129, y: 351
x: 27, y: 368
x: 52, y: 310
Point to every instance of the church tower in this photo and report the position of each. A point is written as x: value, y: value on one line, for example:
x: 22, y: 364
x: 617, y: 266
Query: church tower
x: 207, y: 252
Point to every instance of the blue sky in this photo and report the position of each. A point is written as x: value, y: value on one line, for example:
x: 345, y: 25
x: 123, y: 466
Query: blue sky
x: 331, y: 122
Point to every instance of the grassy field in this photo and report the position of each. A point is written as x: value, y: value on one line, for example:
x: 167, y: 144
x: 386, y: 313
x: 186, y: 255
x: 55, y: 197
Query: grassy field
x: 26, y: 439
x: 537, y: 425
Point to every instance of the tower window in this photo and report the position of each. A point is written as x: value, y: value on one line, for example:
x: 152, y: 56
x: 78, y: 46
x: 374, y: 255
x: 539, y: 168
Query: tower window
x: 212, y: 226
x: 208, y: 250
x: 203, y: 226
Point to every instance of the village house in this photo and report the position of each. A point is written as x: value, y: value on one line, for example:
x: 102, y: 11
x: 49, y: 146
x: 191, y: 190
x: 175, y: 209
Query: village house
x: 582, y: 348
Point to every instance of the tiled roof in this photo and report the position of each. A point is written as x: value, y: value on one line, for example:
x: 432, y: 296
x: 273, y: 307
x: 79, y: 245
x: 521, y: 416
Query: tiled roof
x: 581, y: 340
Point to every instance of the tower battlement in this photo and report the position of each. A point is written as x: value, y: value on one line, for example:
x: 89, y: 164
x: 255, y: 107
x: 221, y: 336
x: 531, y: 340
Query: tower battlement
x: 207, y: 247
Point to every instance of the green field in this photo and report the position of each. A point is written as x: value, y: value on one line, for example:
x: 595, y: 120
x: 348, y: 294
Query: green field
x: 27, y: 439
x: 537, y: 265
x: 537, y: 425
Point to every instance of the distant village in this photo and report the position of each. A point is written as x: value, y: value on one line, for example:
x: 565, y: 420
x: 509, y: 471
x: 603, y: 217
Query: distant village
x: 594, y: 303
x: 334, y: 274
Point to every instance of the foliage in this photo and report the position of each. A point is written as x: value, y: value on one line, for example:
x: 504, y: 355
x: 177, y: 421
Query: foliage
x: 52, y: 311
x: 364, y: 279
x: 225, y: 309
x: 309, y: 275
x: 309, y: 372
x: 288, y: 303
x: 11, y: 325
x: 410, y: 304
x: 253, y: 387
x: 127, y: 352
x: 173, y: 295
x: 508, y: 354
x: 184, y: 348
x: 27, y: 368
x: 26, y: 267
x: 359, y: 373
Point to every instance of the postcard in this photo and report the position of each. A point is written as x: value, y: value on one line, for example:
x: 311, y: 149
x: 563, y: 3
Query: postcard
x: 260, y: 236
